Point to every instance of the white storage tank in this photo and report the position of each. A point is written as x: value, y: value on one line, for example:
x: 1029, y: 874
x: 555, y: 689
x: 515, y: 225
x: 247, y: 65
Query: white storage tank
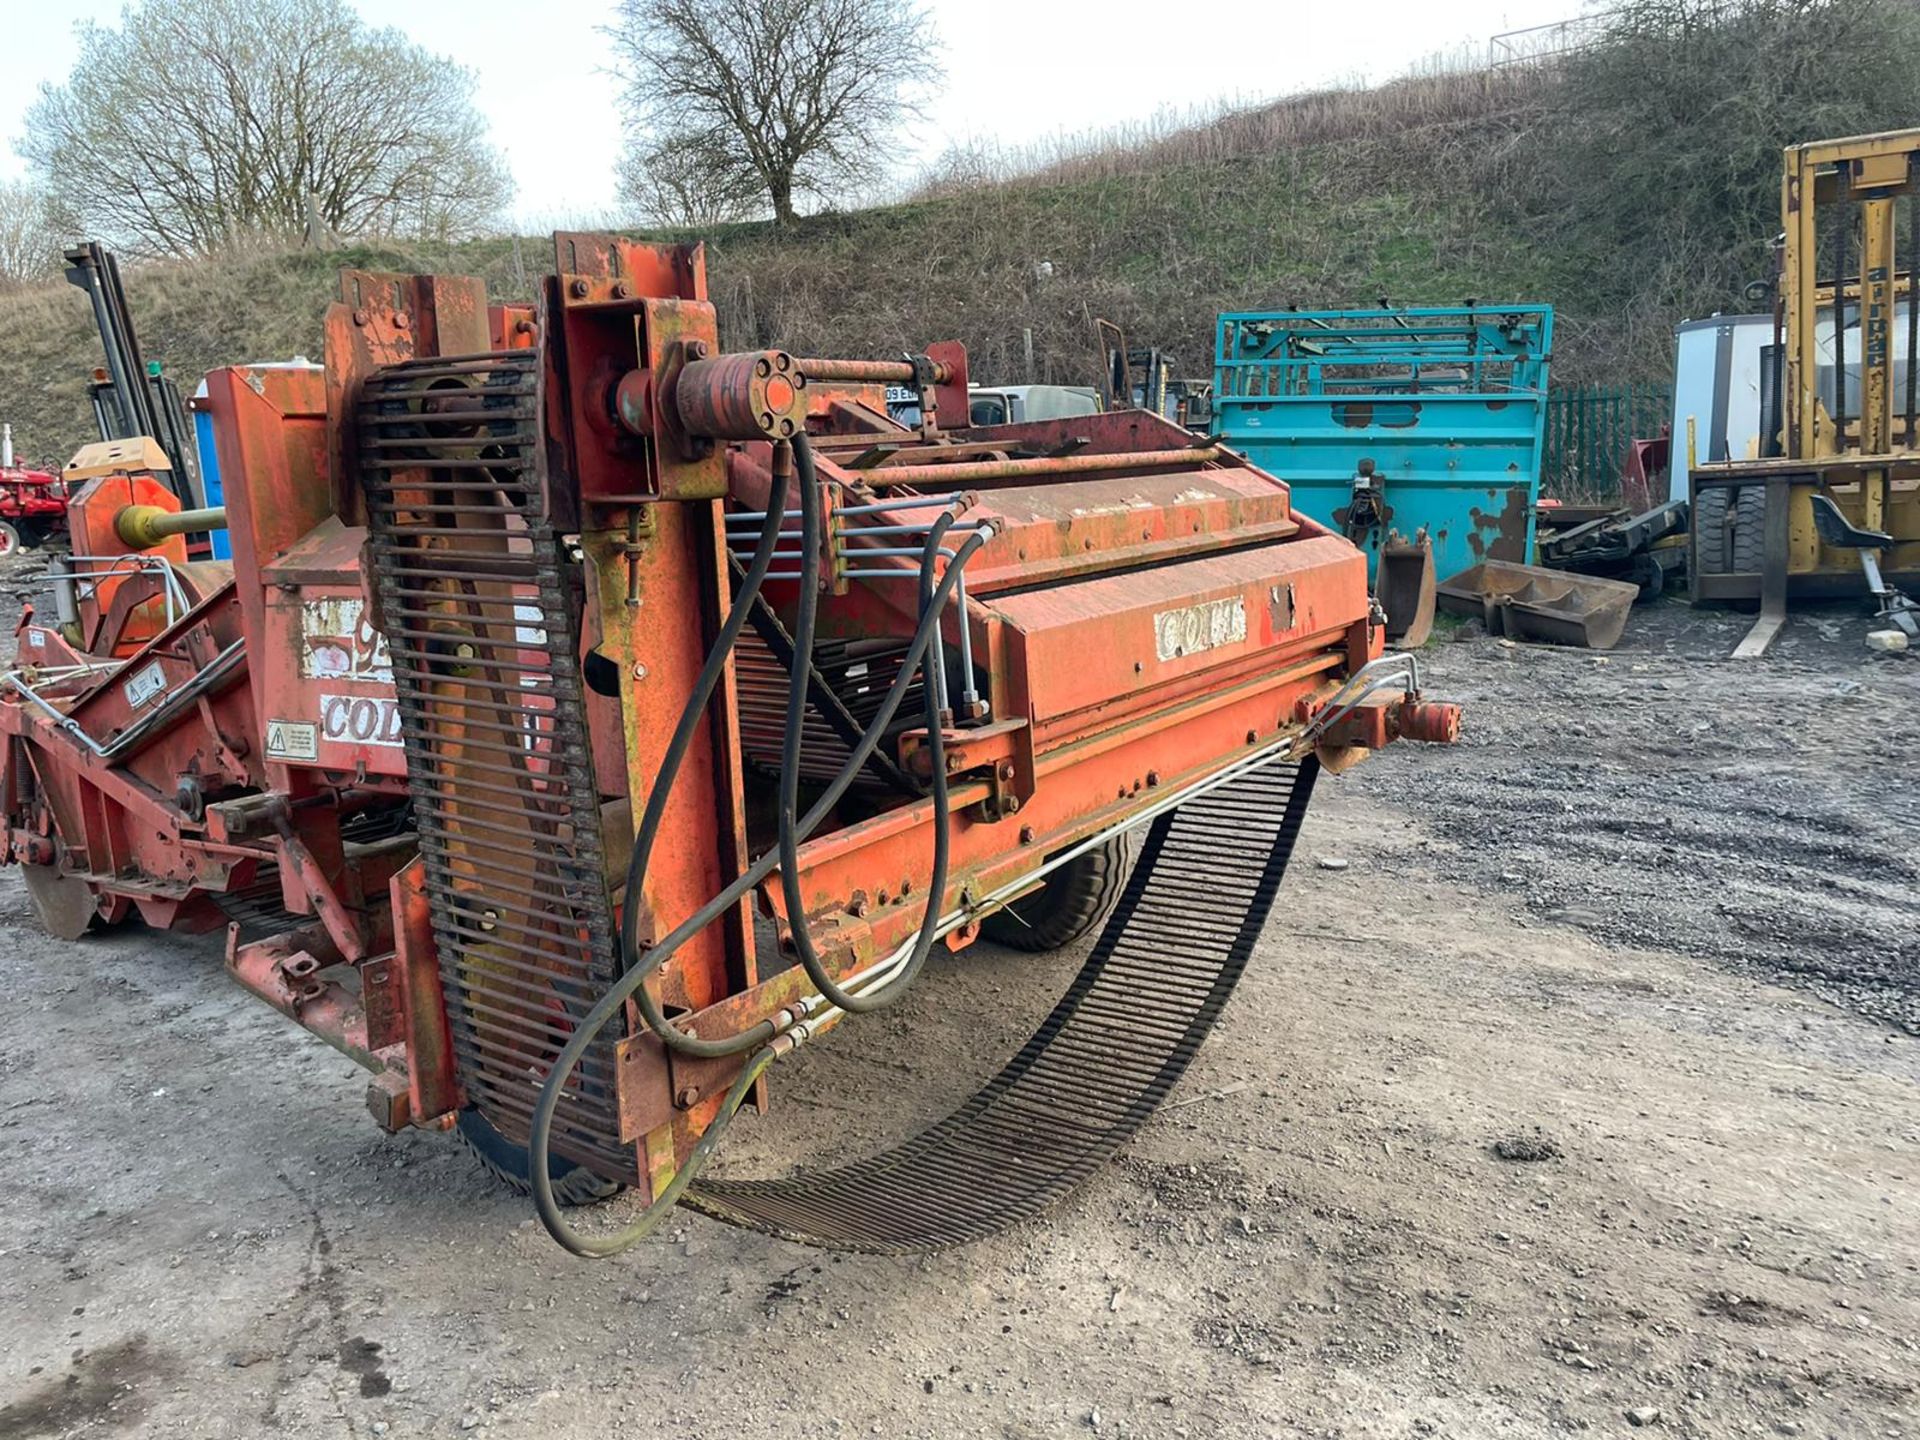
x: 1717, y: 382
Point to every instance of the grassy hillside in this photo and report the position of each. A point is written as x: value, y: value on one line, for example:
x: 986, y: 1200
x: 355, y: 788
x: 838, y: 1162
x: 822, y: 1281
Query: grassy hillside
x: 1160, y: 251
x: 265, y: 305
x: 1158, y: 237
x: 1631, y: 185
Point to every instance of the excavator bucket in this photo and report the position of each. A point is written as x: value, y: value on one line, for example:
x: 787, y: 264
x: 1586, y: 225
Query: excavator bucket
x: 1405, y: 586
x: 1530, y: 602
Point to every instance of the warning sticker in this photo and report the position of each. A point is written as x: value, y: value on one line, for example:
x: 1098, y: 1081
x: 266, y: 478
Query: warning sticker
x: 292, y: 740
x: 146, y: 685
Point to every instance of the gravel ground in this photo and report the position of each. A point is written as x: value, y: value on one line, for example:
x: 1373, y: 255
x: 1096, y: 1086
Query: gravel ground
x: 1761, y: 815
x: 1469, y: 1155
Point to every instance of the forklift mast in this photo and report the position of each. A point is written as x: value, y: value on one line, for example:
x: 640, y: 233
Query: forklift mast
x: 130, y: 397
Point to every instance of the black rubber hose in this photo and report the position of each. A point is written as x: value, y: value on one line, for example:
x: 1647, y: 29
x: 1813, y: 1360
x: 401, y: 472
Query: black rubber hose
x: 803, y: 946
x: 693, y: 1045
x: 539, y: 1141
x: 600, y: 1247
x: 694, y: 714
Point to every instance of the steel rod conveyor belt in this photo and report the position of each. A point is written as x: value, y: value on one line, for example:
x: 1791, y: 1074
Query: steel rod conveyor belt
x: 1093, y: 1073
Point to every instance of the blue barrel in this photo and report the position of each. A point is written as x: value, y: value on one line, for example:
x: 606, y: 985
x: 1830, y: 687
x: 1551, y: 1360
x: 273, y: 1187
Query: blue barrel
x: 210, y: 486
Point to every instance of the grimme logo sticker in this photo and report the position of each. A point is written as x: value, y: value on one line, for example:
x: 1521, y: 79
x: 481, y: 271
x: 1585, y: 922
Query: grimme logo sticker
x: 292, y: 740
x: 359, y: 720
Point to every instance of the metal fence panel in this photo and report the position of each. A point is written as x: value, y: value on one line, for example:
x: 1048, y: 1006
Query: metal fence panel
x: 1588, y: 432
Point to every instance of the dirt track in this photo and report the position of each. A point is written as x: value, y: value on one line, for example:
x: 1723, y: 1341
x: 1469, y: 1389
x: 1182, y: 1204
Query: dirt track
x: 203, y: 1234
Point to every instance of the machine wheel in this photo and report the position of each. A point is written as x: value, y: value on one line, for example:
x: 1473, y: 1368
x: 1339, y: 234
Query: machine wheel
x: 572, y: 1184
x: 1069, y: 903
x: 1749, y: 535
x: 12, y: 542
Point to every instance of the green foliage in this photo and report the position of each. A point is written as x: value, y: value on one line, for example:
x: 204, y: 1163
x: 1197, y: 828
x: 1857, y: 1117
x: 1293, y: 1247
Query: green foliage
x: 1660, y: 165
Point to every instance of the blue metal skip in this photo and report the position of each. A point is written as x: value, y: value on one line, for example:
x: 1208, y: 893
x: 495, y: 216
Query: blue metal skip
x: 1449, y: 404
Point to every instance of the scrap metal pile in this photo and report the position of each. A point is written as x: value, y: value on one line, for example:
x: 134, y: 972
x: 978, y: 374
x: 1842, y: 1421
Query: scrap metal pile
x: 557, y: 644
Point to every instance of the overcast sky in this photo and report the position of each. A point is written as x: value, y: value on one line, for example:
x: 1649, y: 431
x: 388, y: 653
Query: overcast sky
x: 1018, y: 72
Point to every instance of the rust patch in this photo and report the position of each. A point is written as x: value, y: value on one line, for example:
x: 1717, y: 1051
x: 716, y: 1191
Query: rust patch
x: 1362, y: 414
x: 1511, y: 542
x: 1502, y: 536
x: 1280, y: 611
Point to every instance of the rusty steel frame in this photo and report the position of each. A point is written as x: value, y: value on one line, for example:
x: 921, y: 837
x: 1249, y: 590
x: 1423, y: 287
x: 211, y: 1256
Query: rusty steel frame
x: 1145, y: 617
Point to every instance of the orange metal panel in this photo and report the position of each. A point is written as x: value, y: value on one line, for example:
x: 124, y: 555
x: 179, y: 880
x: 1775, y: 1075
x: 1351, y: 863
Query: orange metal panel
x: 1106, y: 639
x: 1051, y: 532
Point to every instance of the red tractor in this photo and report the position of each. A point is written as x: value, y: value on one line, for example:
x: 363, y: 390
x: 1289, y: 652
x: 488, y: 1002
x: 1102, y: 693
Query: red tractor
x: 33, y: 503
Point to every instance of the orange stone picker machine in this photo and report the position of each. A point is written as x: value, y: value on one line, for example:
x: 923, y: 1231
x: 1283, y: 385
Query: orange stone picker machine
x: 589, y: 717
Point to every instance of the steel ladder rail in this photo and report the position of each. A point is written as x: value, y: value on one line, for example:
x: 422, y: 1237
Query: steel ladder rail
x: 1102, y: 1062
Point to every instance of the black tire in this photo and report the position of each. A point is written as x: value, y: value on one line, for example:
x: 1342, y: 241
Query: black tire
x: 1747, y: 553
x: 1069, y: 903
x: 573, y: 1184
x: 12, y: 542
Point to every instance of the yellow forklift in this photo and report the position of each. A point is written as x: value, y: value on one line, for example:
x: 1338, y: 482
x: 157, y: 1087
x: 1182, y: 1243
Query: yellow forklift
x: 1832, y: 502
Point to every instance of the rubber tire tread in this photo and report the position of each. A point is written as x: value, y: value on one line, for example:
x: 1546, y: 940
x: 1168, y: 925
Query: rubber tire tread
x: 1068, y: 904
x: 1749, y: 536
x: 573, y: 1185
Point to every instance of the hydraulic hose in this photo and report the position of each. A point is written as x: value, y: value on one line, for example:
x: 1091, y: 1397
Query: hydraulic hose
x: 631, y: 958
x: 657, y: 956
x: 803, y: 633
x: 694, y: 713
x: 600, y: 1247
x: 633, y: 982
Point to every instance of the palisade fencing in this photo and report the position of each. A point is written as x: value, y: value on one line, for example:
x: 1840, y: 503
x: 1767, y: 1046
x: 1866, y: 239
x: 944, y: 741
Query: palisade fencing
x: 1588, y: 431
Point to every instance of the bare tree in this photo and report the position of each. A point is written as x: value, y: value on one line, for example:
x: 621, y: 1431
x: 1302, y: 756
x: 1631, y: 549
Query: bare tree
x: 804, y: 95
x: 195, y: 124
x: 29, y: 242
x: 687, y: 182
